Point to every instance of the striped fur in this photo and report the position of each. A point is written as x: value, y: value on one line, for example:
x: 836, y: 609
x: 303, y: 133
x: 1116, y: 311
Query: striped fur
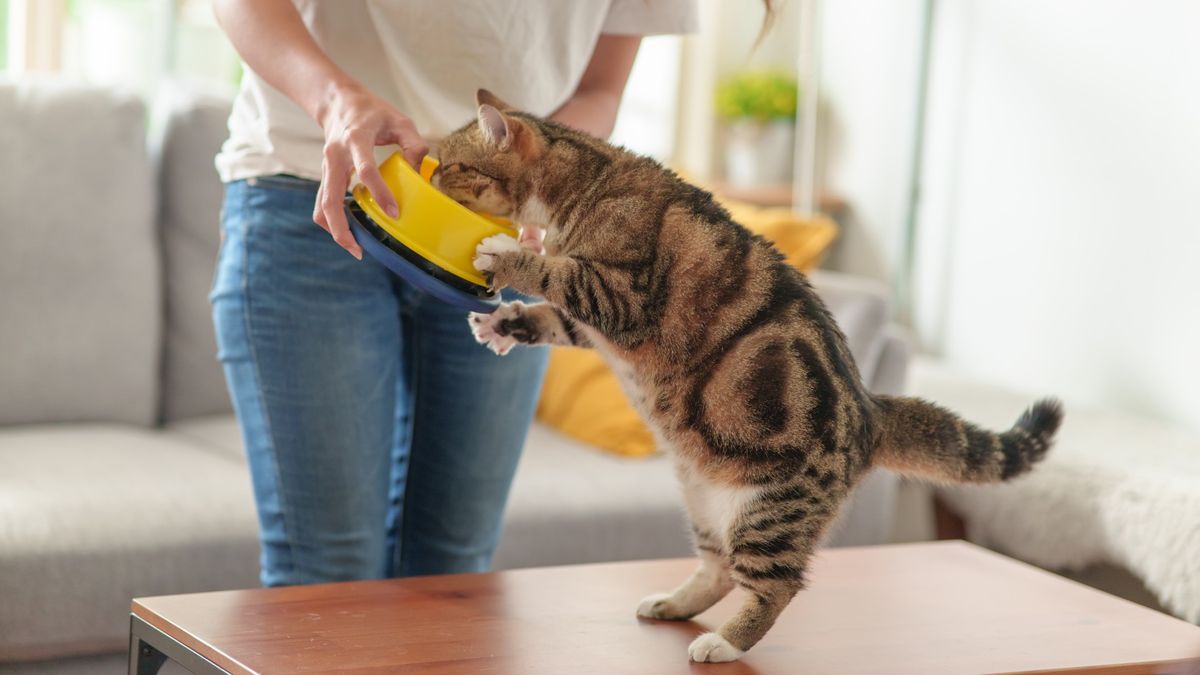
x: 725, y: 349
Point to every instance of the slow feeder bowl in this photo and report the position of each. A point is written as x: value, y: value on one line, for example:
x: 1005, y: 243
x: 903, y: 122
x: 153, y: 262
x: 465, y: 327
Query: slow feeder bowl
x: 431, y: 244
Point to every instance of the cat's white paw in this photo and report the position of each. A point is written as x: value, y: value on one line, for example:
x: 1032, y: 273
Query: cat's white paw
x: 712, y: 648
x: 488, y: 249
x: 654, y: 606
x: 484, y: 328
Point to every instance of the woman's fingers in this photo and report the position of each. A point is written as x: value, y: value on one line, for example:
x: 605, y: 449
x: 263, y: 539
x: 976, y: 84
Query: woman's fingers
x: 364, y: 165
x: 403, y: 133
x: 414, y: 149
x: 332, y: 195
x: 318, y: 213
x: 359, y: 122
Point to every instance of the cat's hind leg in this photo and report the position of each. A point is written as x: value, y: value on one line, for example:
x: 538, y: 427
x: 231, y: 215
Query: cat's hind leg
x: 516, y: 323
x: 770, y: 544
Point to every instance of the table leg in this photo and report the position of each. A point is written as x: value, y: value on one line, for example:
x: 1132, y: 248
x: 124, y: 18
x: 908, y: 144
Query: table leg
x: 144, y: 659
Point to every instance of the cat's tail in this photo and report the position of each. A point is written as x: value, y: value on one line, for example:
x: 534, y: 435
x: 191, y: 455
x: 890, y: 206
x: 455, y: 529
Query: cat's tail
x: 924, y: 440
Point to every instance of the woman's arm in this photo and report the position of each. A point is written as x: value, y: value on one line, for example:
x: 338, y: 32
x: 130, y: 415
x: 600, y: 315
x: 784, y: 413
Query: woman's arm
x: 593, y: 106
x: 271, y: 38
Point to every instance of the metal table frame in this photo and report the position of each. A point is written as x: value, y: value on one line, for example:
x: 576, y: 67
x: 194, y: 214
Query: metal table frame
x: 149, y: 648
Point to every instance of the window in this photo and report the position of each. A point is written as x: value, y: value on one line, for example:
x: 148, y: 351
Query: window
x: 646, y: 120
x: 136, y: 44
x: 3, y: 36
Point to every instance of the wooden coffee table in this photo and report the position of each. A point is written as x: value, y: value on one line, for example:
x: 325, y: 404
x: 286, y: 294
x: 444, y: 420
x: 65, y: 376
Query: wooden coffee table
x: 945, y: 607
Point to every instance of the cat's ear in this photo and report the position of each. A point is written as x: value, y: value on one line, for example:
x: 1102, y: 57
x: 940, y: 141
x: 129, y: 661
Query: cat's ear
x: 485, y: 97
x: 505, y: 132
x: 495, y: 127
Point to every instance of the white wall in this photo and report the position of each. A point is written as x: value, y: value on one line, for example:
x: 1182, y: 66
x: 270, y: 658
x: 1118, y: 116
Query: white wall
x: 1059, y: 240
x: 869, y: 62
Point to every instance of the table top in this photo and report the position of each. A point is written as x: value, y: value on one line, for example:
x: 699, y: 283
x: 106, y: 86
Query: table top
x: 940, y: 607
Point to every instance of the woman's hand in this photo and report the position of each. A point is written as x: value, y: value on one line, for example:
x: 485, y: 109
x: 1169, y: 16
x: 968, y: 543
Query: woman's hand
x: 272, y: 39
x: 355, y: 121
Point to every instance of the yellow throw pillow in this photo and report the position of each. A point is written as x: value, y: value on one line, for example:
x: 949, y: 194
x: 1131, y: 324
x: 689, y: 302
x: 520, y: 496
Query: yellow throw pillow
x: 583, y: 399
x: 804, y: 241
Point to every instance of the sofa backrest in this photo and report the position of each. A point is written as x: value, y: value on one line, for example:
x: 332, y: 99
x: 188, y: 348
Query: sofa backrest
x: 192, y: 127
x: 80, y: 279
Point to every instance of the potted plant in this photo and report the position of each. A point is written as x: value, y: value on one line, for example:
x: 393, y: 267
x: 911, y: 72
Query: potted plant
x: 760, y: 113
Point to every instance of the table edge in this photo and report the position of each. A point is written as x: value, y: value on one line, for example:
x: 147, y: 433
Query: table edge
x: 187, y: 639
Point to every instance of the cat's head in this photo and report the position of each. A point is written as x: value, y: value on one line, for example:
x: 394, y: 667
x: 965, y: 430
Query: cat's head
x: 483, y: 164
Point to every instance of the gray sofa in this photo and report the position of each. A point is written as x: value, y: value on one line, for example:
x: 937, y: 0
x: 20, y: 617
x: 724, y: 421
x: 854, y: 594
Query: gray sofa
x: 121, y: 470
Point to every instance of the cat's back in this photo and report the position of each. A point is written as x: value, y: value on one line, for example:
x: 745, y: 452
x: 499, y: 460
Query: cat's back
x: 746, y: 352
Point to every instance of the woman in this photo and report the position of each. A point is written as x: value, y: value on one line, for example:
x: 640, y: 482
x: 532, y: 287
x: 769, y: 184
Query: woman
x: 381, y: 438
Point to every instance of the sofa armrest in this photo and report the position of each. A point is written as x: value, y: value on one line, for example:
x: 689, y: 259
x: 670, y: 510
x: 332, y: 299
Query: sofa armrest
x: 891, y: 369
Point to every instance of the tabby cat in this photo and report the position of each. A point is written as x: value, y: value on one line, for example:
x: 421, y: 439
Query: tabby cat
x: 726, y: 351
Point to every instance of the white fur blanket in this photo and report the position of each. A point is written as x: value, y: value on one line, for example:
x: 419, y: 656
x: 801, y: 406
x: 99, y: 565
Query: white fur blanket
x: 1116, y: 489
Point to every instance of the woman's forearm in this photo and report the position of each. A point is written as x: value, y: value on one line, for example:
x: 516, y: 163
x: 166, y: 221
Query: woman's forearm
x: 593, y: 107
x: 271, y: 38
x: 592, y: 111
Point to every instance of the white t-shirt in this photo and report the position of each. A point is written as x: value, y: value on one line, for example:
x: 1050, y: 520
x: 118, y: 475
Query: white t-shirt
x: 427, y: 58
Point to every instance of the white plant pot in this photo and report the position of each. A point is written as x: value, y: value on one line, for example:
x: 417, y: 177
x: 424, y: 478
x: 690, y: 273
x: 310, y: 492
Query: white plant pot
x: 759, y: 153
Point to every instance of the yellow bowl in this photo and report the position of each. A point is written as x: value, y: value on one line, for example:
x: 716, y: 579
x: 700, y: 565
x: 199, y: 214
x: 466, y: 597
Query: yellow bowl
x: 435, y: 227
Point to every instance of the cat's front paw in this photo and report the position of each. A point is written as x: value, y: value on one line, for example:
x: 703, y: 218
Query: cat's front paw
x: 503, y: 329
x: 491, y: 250
x: 712, y: 648
x: 659, y: 606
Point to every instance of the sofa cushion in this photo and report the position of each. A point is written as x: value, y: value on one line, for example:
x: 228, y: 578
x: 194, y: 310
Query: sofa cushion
x: 81, y: 304
x: 193, y: 128
x: 570, y: 504
x: 94, y: 515
x: 218, y: 434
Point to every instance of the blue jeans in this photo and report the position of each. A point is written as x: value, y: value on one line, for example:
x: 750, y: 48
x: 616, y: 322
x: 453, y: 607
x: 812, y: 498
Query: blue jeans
x: 381, y: 438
